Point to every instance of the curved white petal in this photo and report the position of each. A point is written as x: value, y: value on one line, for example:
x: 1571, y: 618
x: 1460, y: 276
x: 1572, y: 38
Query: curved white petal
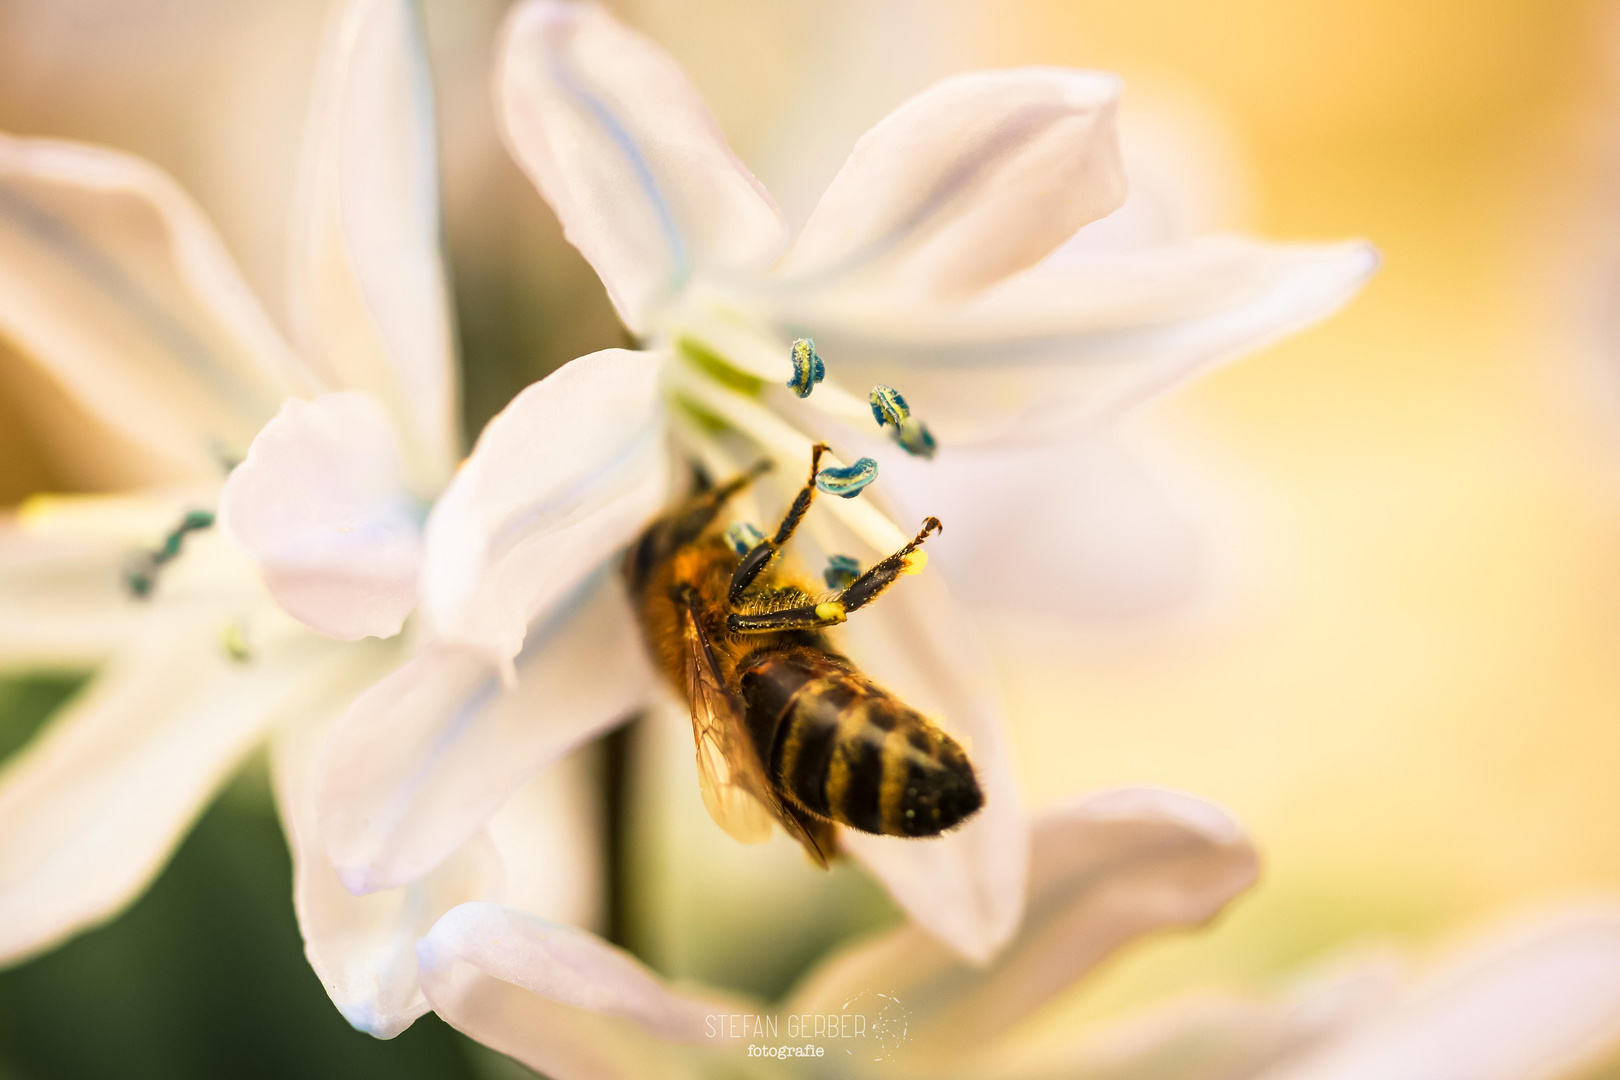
x: 1539, y: 1006
x: 1076, y: 341
x: 564, y: 1002
x: 623, y: 148
x: 423, y: 758
x: 363, y: 948
x: 113, y: 282
x: 966, y: 887
x: 978, y: 177
x: 561, y: 478
x: 367, y: 286
x: 1104, y: 870
x: 91, y: 809
x: 320, y: 502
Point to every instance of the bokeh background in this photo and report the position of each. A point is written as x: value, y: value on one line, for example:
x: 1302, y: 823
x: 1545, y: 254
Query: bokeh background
x: 1391, y: 640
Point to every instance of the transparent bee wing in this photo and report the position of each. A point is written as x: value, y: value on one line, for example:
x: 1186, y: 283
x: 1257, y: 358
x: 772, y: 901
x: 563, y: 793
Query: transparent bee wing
x: 736, y: 791
x: 732, y: 781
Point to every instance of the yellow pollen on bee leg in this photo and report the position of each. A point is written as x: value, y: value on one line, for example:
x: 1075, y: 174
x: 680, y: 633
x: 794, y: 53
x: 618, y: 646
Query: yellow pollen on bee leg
x: 831, y: 611
x: 914, y: 562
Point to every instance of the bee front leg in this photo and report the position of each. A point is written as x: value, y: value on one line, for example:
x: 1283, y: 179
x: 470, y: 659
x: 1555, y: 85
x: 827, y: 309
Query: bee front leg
x: 759, y: 557
x: 908, y: 560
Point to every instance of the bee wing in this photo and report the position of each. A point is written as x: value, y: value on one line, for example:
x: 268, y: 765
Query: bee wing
x: 733, y: 782
x: 736, y: 791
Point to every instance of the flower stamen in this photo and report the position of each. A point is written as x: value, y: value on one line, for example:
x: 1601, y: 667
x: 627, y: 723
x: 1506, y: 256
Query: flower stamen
x: 890, y: 409
x: 808, y: 368
x: 783, y: 443
x: 848, y: 481
x: 233, y: 639
x: 718, y: 368
x: 841, y: 572
x: 141, y: 575
x: 915, y: 438
x: 743, y: 537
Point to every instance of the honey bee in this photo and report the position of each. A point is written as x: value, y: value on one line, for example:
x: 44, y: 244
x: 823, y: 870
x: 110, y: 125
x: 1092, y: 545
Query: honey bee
x: 787, y: 729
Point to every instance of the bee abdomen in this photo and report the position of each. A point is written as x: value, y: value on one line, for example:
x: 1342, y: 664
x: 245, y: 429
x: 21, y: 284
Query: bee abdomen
x: 850, y: 751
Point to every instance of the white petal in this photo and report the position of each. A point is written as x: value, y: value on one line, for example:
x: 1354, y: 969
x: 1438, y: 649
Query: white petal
x: 966, y: 887
x: 976, y: 178
x: 91, y: 809
x: 564, y: 1002
x: 1538, y: 1006
x: 1110, y: 540
x: 363, y: 948
x: 367, y: 285
x: 1104, y: 870
x: 565, y: 475
x: 422, y: 759
x: 621, y: 145
x: 320, y: 502
x: 551, y: 839
x: 113, y: 282
x: 1075, y: 342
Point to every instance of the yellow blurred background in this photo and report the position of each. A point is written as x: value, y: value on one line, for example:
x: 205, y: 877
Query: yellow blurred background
x: 1404, y: 673
x: 1411, y: 693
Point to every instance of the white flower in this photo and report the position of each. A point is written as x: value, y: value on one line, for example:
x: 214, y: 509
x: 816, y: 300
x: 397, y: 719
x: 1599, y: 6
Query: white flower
x: 922, y: 268
x: 1540, y: 1001
x: 117, y: 288
x: 1106, y: 869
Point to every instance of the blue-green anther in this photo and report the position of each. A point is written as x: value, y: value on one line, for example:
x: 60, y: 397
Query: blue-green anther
x: 888, y: 407
x: 743, y: 537
x: 841, y: 572
x: 807, y: 367
x: 915, y: 439
x: 847, y: 482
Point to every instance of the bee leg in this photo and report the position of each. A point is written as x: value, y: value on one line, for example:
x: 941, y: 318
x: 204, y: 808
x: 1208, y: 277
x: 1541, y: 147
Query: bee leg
x: 805, y: 617
x: 832, y: 612
x: 908, y: 560
x: 688, y: 522
x: 683, y: 526
x: 755, y: 561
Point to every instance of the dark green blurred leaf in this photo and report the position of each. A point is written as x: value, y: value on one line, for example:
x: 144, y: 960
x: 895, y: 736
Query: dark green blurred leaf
x: 25, y: 703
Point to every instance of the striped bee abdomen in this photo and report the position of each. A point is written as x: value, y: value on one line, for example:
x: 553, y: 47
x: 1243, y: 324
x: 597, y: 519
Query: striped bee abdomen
x: 846, y: 749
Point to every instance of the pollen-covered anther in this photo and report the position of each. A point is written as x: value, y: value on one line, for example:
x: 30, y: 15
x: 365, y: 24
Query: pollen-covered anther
x: 807, y: 367
x: 915, y: 438
x: 841, y: 572
x: 831, y: 611
x: 847, y: 482
x: 888, y: 407
x: 743, y: 537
